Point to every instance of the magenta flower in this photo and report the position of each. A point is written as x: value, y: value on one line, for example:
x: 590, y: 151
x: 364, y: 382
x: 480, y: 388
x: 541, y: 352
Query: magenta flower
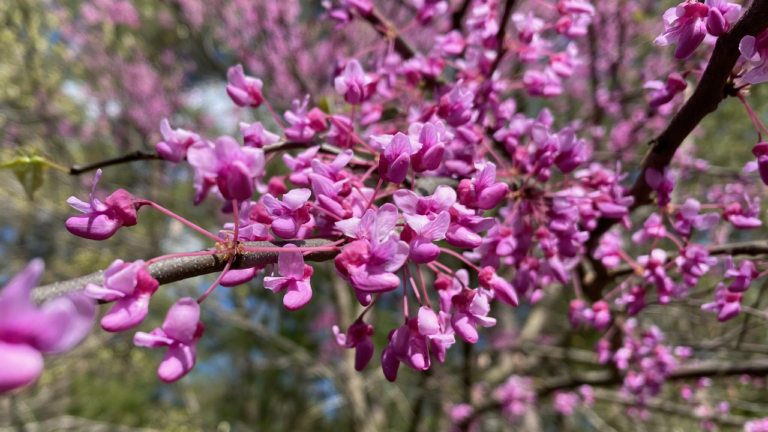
x: 294, y: 280
x: 571, y: 152
x: 686, y: 26
x: 563, y: 63
x: 694, y: 261
x: 130, y: 286
x: 27, y: 331
x: 373, y: 227
x: 335, y: 170
x: 456, y: 106
x: 743, y: 276
x: 471, y: 309
x: 101, y: 221
x: 304, y: 126
x: 244, y: 90
x: 755, y: 50
x: 761, y: 166
x: 450, y: 44
x: 329, y: 195
x: 432, y: 138
x: 438, y: 330
x: 566, y: 7
x: 688, y: 217
x: 501, y: 289
x: 601, y: 315
x: 426, y: 231
x: 663, y: 184
x: 741, y: 219
x: 652, y: 228
x: 466, y: 226
x: 254, y: 135
x: 410, y: 203
x: 300, y: 165
x: 448, y: 287
x: 482, y: 192
x: 234, y: 169
x: 662, y: 93
x: 370, y: 266
x: 408, y: 345
x: 608, y: 250
x: 721, y: 16
x: 727, y: 304
x: 358, y: 337
x: 396, y: 158
x: 176, y: 143
x: 289, y: 214
x: 181, y: 331
x: 352, y: 83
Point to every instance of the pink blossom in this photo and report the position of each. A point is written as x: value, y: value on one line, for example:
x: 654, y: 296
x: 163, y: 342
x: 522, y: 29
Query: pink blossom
x: 689, y: 217
x: 501, y: 289
x: 662, y: 93
x: 426, y: 231
x: 482, y: 191
x: 303, y: 126
x: 176, y: 143
x: 130, y: 286
x: 663, y: 184
x: 466, y: 226
x: 294, y: 280
x: 289, y: 214
x: 358, y: 337
x: 395, y: 160
x: 686, y: 26
x: 653, y: 228
x: 101, y: 221
x: 544, y: 84
x: 300, y: 165
x: 352, y: 83
x: 721, y: 16
x: 255, y: 135
x: 227, y: 165
x: 181, y: 331
x: 456, y: 106
x: 755, y: 50
x: 27, y: 331
x: 244, y: 90
x: 761, y: 166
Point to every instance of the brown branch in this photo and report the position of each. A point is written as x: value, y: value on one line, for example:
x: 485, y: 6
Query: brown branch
x: 458, y: 14
x: 389, y: 31
x: 508, y: 6
x: 176, y: 269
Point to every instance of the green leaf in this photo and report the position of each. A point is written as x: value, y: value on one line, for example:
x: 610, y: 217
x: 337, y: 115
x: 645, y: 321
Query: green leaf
x: 30, y: 176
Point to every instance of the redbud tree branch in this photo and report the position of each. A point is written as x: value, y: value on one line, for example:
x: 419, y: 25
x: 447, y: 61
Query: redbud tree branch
x: 713, y: 87
x: 176, y: 269
x: 501, y: 49
x: 389, y: 31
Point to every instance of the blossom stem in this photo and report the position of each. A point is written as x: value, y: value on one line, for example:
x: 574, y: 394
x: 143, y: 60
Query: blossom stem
x: 450, y: 252
x: 182, y: 220
x: 218, y: 280
x: 367, y: 308
x: 423, y: 287
x: 754, y: 117
x: 317, y: 207
x: 368, y: 173
x: 496, y: 156
x: 274, y: 114
x: 237, y: 220
x: 444, y: 267
x: 180, y: 255
x: 405, y: 295
x: 413, y: 285
x: 373, y: 197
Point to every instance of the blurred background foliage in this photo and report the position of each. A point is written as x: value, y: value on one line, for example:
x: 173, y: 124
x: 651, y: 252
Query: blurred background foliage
x: 86, y: 80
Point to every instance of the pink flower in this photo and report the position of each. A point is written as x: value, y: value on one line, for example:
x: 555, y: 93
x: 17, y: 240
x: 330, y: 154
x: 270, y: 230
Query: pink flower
x: 254, y: 135
x: 358, y: 337
x: 395, y: 160
x: 663, y: 184
x: 466, y: 226
x: 661, y: 93
x: 426, y: 231
x: 472, y: 306
x: 303, y: 126
x: 741, y: 219
x: 181, y: 331
x: 27, y: 331
x: 564, y: 62
x: 130, y: 286
x: 370, y: 266
x: 408, y: 344
x: 686, y: 25
x: 439, y: 333
x: 432, y: 138
x: 101, y: 221
x: 174, y: 148
x: 761, y: 166
x: 300, y: 165
x: 721, y: 16
x: 450, y: 44
x: 294, y: 280
x: 689, y: 217
x: 482, y: 192
x: 544, y: 84
x: 244, y: 90
x: 456, y: 106
x: 448, y: 287
x: 352, y: 83
x: 234, y: 169
x: 755, y: 50
x: 501, y: 289
x: 289, y: 214
x: 743, y: 276
x: 727, y: 304
x: 602, y: 315
x: 608, y: 250
x: 652, y: 228
x: 570, y: 152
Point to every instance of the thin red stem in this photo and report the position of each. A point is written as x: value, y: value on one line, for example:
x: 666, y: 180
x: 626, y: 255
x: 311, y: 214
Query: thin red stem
x: 317, y: 207
x: 274, y: 114
x: 182, y: 220
x: 373, y: 197
x: 218, y: 280
x: 450, y: 252
x: 423, y: 287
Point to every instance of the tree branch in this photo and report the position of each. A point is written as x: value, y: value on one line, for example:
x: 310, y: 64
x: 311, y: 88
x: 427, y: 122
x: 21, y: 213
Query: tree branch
x: 712, y: 88
x: 389, y: 31
x: 176, y: 269
x: 501, y: 50
x: 458, y: 14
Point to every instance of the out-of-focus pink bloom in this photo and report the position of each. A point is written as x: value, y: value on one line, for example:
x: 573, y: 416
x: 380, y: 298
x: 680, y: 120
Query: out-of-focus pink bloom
x: 234, y: 169
x: 571, y: 152
x: 101, y: 221
x: 352, y: 83
x: 244, y: 90
x: 130, y: 286
x: 564, y: 62
x: 517, y: 395
x: 761, y: 166
x: 743, y: 276
x: 528, y: 26
x: 755, y: 50
x: 255, y: 135
x: 685, y: 25
x: 304, y: 125
x: 663, y: 184
x: 544, y: 84
x: 27, y: 331
x: 289, y: 214
x: 652, y: 228
x: 176, y: 143
x: 294, y: 280
x: 721, y: 16
x: 741, y: 219
x: 456, y: 106
x: 358, y: 337
x: 662, y: 93
x: 565, y: 403
x: 181, y: 331
x: 727, y: 304
x: 451, y: 43
x: 689, y: 217
x: 608, y: 250
x: 602, y: 315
